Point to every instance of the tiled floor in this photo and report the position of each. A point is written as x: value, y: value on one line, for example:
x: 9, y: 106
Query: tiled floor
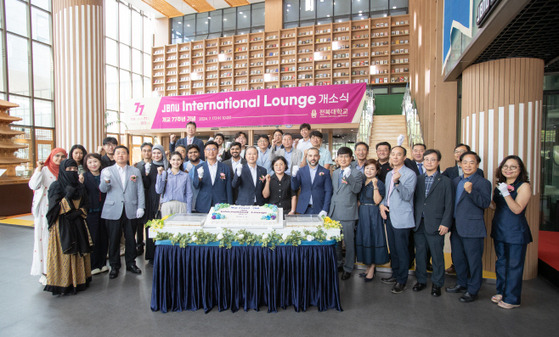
x: 121, y: 307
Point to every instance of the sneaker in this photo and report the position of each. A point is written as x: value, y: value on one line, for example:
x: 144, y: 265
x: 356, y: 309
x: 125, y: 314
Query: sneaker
x: 505, y: 305
x: 43, y: 280
x: 96, y: 271
x: 496, y: 298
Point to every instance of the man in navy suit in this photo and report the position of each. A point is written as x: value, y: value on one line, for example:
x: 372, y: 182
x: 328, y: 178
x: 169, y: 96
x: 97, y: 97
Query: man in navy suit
x: 433, y: 208
x: 250, y: 178
x: 233, y: 162
x: 213, y: 181
x: 473, y: 196
x: 315, y: 184
x: 189, y: 139
x: 456, y: 171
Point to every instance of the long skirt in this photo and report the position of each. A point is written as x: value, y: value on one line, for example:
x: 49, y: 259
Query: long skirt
x: 66, y: 273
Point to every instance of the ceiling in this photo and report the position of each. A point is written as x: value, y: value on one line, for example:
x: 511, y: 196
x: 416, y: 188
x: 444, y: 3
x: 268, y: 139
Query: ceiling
x: 172, y: 8
x: 534, y: 32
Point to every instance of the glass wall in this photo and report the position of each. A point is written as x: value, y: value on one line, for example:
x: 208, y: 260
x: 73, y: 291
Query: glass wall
x: 298, y: 13
x: 128, y: 41
x: 26, y: 75
x: 218, y: 23
x: 550, y: 155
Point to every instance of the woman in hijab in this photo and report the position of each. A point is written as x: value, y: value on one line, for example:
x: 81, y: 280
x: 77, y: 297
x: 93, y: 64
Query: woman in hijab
x: 68, y: 260
x: 45, y: 174
x: 152, y: 201
x: 78, y: 153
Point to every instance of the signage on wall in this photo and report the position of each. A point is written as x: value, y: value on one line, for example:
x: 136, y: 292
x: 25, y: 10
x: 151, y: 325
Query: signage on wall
x: 282, y: 106
x: 484, y: 9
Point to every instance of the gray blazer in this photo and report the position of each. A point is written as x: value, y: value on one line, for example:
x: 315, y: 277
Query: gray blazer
x: 130, y: 196
x: 437, y: 208
x: 401, y: 198
x: 296, y: 157
x: 343, y: 206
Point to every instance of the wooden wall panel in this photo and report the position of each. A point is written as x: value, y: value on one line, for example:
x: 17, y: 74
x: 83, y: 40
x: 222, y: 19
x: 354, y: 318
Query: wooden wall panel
x: 504, y: 99
x: 434, y: 98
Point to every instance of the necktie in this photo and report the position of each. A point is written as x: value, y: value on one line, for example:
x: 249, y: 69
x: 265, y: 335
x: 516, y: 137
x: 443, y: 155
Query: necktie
x: 420, y: 165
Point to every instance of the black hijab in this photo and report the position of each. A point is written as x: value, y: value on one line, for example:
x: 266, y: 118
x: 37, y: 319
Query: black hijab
x: 69, y: 180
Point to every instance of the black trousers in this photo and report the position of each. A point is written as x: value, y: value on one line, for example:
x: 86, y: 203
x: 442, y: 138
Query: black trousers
x: 115, y: 229
x: 98, y: 232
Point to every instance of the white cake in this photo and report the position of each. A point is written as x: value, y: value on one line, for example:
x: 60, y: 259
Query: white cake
x: 244, y: 216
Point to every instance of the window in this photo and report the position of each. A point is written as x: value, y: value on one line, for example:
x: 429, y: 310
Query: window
x: 218, y: 23
x: 300, y: 13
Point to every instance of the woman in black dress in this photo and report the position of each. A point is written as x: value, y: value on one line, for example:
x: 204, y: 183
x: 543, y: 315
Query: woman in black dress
x: 152, y: 198
x: 91, y: 179
x: 278, y: 187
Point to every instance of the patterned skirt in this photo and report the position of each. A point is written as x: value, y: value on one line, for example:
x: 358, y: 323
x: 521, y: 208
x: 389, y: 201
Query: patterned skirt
x: 66, y: 273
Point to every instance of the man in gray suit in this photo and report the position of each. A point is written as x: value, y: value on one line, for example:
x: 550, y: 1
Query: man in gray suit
x: 433, y: 204
x: 397, y: 210
x: 346, y: 185
x: 125, y: 202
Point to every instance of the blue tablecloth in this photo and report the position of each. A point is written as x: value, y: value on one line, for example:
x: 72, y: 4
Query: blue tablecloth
x: 247, y: 277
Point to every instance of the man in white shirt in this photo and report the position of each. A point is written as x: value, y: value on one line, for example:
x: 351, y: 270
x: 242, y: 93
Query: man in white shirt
x: 235, y: 161
x: 325, y: 156
x: 264, y: 152
x: 190, y: 139
x: 304, y: 143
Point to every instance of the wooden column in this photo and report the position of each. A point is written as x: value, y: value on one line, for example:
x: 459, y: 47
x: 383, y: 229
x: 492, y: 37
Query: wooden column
x: 501, y: 115
x: 79, y: 81
x: 434, y: 98
x: 273, y: 15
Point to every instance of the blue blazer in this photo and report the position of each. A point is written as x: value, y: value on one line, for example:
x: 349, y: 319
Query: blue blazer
x: 437, y: 207
x: 219, y: 192
x: 247, y: 189
x: 320, y: 189
x: 469, y: 222
x: 184, y: 142
x: 452, y: 172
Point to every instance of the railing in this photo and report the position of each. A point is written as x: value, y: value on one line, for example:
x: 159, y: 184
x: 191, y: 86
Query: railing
x: 415, y: 135
x: 366, y: 117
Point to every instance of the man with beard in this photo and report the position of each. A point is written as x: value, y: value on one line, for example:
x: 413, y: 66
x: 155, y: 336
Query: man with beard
x: 233, y: 162
x: 315, y: 184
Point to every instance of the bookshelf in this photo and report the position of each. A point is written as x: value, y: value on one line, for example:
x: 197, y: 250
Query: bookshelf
x: 373, y: 51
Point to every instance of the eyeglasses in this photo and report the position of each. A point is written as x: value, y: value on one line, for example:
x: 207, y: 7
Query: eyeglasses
x: 459, y: 151
x: 430, y: 160
x: 510, y: 168
x: 211, y: 149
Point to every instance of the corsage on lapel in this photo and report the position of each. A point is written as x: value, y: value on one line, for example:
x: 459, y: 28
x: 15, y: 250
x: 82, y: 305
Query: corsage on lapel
x: 320, y: 173
x: 262, y: 178
x: 133, y: 178
x: 222, y: 176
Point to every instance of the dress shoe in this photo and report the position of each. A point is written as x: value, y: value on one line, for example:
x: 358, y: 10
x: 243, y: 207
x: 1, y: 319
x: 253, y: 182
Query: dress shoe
x: 456, y: 289
x: 450, y: 270
x: 398, y: 288
x: 505, y: 305
x: 419, y: 286
x: 388, y: 280
x: 113, y: 273
x: 346, y: 275
x: 435, y: 291
x: 95, y: 271
x: 139, y: 250
x: 496, y: 298
x: 104, y: 269
x: 134, y: 269
x: 369, y: 279
x: 467, y: 298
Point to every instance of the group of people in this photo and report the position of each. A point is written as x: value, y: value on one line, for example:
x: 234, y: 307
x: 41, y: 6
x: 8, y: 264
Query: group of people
x: 84, y: 204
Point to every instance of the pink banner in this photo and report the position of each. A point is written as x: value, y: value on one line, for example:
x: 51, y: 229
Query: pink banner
x: 283, y: 106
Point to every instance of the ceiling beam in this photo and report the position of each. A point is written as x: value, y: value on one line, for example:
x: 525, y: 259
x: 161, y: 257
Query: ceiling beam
x: 200, y: 5
x: 237, y: 3
x: 164, y: 8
